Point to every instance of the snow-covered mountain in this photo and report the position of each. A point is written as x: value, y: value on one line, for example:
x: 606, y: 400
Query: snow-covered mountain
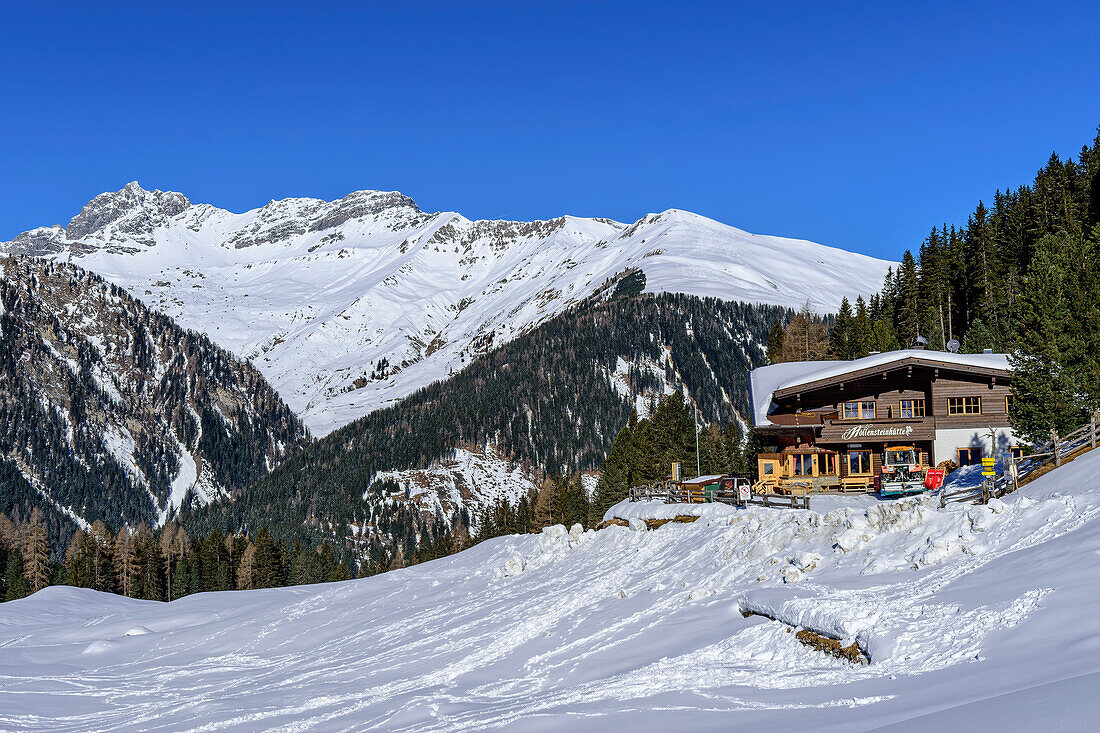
x: 349, y: 305
x: 973, y: 618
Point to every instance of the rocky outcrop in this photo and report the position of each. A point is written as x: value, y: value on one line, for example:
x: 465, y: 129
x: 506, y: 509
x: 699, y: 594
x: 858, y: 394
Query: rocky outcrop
x: 134, y: 210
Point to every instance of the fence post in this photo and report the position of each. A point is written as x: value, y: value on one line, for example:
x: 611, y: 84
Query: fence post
x: 1054, y: 444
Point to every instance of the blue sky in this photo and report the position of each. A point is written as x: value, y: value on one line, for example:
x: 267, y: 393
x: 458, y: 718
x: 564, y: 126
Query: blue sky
x: 852, y: 124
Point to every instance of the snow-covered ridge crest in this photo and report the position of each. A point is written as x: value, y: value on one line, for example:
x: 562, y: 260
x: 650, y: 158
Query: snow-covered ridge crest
x: 350, y: 305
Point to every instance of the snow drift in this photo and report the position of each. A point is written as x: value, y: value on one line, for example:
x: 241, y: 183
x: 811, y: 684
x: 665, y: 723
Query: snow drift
x: 974, y: 617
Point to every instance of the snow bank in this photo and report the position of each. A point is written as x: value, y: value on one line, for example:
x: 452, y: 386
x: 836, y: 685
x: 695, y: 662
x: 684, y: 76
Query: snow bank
x: 959, y: 610
x: 628, y: 510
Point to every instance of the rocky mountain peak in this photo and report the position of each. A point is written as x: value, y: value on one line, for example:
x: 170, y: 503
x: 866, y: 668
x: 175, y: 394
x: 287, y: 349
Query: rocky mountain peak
x: 142, y: 210
x: 359, y: 204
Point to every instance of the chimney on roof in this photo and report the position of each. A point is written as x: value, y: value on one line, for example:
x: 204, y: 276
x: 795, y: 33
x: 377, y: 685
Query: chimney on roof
x: 987, y: 351
x: 873, y: 353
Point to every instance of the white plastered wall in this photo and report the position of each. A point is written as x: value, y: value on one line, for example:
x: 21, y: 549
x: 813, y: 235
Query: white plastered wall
x: 948, y: 441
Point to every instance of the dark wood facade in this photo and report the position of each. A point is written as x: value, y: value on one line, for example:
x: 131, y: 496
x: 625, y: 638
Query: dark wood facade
x: 904, y: 402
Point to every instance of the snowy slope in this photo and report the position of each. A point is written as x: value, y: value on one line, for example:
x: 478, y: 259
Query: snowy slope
x: 474, y: 477
x: 346, y: 306
x: 975, y: 618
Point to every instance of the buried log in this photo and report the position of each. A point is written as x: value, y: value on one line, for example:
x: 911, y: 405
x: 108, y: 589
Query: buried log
x: 821, y: 642
x: 655, y: 523
x: 832, y: 646
x: 613, y: 522
x: 649, y: 523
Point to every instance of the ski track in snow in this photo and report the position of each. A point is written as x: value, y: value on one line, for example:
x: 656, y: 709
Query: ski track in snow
x: 621, y: 626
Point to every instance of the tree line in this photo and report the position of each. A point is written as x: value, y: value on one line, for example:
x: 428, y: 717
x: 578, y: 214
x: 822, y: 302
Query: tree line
x: 158, y: 565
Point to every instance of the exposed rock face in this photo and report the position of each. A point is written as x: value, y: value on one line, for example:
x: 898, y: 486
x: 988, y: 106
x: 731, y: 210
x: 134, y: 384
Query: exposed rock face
x: 136, y: 211
x: 367, y: 203
x: 39, y: 242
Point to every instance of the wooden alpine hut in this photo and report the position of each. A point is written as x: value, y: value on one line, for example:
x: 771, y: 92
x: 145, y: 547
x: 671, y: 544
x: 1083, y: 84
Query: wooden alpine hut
x: 828, y: 423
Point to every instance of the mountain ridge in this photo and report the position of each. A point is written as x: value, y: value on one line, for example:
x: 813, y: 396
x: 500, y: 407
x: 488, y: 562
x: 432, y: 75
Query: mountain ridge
x: 349, y: 305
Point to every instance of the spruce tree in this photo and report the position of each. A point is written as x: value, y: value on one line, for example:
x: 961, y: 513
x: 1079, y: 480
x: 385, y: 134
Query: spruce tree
x: 909, y: 305
x: 16, y: 584
x: 842, y: 334
x: 862, y: 330
x: 80, y: 560
x: 978, y: 338
x: 775, y: 353
x: 103, y: 565
x: 1046, y: 383
x: 267, y: 560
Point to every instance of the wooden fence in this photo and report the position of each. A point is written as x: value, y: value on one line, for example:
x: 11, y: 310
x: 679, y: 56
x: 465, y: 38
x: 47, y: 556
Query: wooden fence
x: 672, y: 493
x: 1025, y: 469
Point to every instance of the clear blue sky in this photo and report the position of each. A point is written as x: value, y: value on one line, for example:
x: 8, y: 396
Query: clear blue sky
x: 855, y: 124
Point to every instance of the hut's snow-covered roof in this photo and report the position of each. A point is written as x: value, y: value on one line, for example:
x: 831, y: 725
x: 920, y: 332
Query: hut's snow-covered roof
x: 765, y: 381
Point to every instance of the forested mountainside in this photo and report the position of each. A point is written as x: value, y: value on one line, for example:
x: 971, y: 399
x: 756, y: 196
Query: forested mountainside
x: 552, y: 400
x: 1022, y: 276
x: 350, y: 305
x: 109, y: 411
x: 976, y: 277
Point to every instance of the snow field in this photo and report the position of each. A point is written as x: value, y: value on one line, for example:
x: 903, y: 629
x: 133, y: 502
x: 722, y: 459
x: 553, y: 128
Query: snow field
x: 622, y: 627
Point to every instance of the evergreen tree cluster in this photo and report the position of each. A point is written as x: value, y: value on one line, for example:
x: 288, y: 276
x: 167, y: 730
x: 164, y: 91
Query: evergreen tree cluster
x: 1020, y: 277
x: 1056, y: 351
x: 551, y: 400
x: 100, y: 398
x: 158, y: 565
x: 969, y: 282
x: 645, y: 449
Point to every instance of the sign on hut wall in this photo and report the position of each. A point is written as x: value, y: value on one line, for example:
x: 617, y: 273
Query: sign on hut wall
x: 847, y: 433
x: 873, y: 431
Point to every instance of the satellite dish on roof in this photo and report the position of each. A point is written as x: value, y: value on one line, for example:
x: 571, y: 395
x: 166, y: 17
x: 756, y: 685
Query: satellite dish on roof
x: 953, y: 346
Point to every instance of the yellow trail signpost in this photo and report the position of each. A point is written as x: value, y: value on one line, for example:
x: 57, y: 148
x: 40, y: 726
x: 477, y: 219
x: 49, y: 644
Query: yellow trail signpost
x: 987, y: 467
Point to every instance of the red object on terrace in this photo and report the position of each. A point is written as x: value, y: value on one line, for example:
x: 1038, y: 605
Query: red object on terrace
x: 933, y: 479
